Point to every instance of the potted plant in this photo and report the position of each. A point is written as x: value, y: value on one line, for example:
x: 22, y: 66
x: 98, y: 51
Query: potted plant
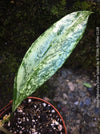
x: 46, y: 55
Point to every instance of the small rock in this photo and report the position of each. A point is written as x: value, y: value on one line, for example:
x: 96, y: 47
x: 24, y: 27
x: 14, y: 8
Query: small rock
x: 96, y: 110
x: 46, y: 98
x: 23, y: 128
x: 91, y: 91
x: 75, y: 130
x: 76, y: 103
x: 87, y: 118
x: 23, y: 118
x: 19, y: 110
x: 29, y: 100
x: 60, y: 127
x: 27, y: 119
x: 35, y: 132
x: 69, y: 72
x: 81, y: 104
x: 92, y: 124
x: 55, y: 122
x: 33, y: 120
x: 78, y: 121
x: 65, y: 96
x: 59, y: 105
x: 53, y: 111
x: 19, y: 122
x: 70, y: 95
x: 44, y: 104
x: 87, y: 101
x: 71, y: 86
x: 20, y: 132
x: 64, y: 102
x: 9, y: 123
x: 82, y: 94
x: 64, y: 109
x: 63, y: 73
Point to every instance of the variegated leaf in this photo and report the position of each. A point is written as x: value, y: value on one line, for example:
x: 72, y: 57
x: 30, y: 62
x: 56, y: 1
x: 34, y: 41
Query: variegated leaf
x: 48, y: 53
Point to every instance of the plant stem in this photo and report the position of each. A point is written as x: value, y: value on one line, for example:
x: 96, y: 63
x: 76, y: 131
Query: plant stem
x: 5, y: 130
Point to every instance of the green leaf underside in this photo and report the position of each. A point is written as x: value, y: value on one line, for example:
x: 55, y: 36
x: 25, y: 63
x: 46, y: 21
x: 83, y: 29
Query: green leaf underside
x: 47, y: 54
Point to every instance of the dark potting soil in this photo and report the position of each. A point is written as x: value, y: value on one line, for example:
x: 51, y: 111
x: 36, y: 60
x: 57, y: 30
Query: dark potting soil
x: 35, y: 117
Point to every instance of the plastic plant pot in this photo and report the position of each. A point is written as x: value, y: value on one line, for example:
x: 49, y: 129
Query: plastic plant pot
x: 8, y: 107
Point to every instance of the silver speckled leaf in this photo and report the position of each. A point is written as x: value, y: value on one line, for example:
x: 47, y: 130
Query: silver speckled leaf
x: 47, y: 54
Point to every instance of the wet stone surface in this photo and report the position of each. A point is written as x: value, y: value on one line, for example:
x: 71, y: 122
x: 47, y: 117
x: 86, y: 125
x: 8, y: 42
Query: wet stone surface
x: 35, y: 117
x: 76, y: 102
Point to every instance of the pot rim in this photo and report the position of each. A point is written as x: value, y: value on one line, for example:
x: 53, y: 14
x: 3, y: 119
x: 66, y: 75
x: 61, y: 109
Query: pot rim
x: 8, y: 106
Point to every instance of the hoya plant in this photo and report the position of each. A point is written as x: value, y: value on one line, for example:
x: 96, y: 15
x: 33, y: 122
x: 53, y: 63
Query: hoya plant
x: 47, y: 54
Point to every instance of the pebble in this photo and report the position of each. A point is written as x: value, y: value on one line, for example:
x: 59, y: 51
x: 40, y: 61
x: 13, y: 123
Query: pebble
x: 92, y: 124
x: 76, y: 103
x: 19, y: 122
x: 59, y: 105
x: 60, y: 127
x: 44, y: 104
x: 35, y: 132
x: 33, y: 120
x: 70, y: 95
x: 64, y: 102
x: 96, y: 110
x: 19, y: 110
x: 69, y: 72
x: 29, y: 100
x: 53, y: 111
x: 20, y: 132
x: 87, y: 118
x: 9, y: 123
x: 23, y: 118
x: 27, y: 119
x: 65, y: 96
x: 63, y: 73
x: 89, y: 89
x: 71, y: 86
x: 46, y: 98
x: 82, y: 94
x: 35, y: 106
x: 64, y: 109
x: 23, y: 128
x: 87, y: 101
x: 55, y: 122
x: 78, y: 121
x: 81, y: 104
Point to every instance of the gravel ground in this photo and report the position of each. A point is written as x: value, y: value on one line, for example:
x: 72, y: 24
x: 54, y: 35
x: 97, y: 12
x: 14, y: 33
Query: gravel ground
x: 77, y: 103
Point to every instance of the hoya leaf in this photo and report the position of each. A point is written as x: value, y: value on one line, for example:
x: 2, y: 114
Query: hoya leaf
x: 48, y: 53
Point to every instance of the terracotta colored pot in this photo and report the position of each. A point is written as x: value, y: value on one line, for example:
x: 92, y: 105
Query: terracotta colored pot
x: 7, y: 107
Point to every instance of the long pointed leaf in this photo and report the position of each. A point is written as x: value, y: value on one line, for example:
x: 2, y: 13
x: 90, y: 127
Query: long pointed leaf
x: 48, y: 53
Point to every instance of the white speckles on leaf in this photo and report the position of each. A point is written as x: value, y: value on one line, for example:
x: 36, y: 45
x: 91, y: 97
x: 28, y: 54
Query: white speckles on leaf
x: 48, y: 53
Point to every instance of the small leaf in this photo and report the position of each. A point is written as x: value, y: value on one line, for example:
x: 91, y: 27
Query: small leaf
x: 87, y: 85
x: 47, y: 54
